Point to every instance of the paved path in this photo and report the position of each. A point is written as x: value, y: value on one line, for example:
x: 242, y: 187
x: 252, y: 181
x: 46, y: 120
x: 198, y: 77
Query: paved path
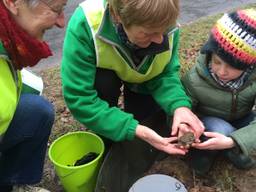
x: 190, y: 11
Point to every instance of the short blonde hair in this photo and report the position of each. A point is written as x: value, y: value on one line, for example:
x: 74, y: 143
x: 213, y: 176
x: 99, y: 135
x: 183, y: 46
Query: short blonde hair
x: 147, y: 13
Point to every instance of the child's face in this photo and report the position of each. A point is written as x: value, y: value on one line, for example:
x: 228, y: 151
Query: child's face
x: 224, y: 71
x: 143, y: 37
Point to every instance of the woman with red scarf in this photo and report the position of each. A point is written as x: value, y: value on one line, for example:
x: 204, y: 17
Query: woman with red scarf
x: 25, y: 119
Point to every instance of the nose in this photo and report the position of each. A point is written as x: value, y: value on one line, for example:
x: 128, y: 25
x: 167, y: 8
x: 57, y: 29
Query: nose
x: 222, y: 70
x: 157, y: 38
x: 60, y: 20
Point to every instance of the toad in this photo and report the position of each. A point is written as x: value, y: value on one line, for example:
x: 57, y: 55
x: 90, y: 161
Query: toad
x: 186, y: 140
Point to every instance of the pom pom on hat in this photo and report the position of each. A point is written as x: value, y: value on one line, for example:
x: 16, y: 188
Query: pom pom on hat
x: 233, y: 39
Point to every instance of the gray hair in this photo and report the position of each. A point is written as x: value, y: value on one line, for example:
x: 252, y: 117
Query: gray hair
x: 34, y: 3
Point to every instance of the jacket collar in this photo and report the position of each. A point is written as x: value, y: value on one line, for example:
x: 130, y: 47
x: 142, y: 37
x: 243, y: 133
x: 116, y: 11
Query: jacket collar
x: 2, y: 49
x: 107, y: 30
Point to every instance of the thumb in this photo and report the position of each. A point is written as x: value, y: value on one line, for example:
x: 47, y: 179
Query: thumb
x: 171, y: 139
x: 210, y: 134
x: 174, y: 127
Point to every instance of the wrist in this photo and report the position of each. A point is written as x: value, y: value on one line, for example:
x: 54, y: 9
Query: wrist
x: 182, y: 108
x: 140, y: 132
x: 231, y: 143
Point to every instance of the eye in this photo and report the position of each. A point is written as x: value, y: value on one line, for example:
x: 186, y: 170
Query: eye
x: 58, y: 10
x: 216, y: 61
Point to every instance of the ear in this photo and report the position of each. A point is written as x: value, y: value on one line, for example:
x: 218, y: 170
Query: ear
x: 11, y: 6
x: 118, y: 19
x: 114, y: 15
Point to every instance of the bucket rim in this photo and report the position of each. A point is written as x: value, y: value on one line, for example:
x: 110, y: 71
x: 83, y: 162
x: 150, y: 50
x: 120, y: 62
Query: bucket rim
x: 79, y: 166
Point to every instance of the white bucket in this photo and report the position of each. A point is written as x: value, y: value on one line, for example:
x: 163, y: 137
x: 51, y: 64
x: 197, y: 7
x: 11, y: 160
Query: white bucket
x: 31, y: 83
x: 157, y: 183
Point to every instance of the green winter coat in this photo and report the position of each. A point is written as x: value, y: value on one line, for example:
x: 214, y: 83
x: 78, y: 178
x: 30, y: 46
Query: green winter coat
x: 79, y: 63
x: 10, y: 87
x: 210, y: 99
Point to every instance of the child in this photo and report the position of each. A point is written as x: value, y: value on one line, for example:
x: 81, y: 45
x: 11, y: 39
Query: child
x: 223, y: 89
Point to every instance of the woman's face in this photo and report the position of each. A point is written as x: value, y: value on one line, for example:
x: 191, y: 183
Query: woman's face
x: 224, y: 71
x: 35, y: 21
x: 143, y: 37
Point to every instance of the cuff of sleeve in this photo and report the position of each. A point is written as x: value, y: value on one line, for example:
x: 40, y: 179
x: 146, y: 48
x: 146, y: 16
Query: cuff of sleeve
x: 240, y: 143
x: 131, y: 130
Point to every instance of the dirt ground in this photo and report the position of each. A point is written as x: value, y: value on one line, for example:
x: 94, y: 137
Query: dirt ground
x: 223, y: 177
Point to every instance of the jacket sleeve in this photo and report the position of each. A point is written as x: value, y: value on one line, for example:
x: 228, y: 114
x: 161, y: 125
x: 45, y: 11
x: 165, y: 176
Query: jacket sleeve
x: 78, y: 75
x: 245, y: 138
x: 166, y: 88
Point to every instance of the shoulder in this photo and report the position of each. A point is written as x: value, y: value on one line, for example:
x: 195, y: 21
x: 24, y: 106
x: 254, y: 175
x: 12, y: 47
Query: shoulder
x: 78, y: 28
x: 77, y: 21
x: 197, y: 75
x: 191, y: 76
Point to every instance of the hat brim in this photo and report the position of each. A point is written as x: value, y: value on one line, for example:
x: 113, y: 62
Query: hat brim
x: 208, y: 47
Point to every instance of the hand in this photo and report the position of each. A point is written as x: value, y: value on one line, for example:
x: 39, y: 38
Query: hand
x: 184, y: 115
x: 216, y: 141
x: 161, y: 143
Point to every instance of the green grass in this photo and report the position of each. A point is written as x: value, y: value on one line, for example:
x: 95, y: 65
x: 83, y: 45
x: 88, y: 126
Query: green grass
x: 192, y: 37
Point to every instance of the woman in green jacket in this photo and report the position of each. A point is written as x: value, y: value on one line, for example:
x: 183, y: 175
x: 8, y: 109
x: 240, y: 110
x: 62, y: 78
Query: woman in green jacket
x: 25, y: 119
x: 134, y: 43
x: 223, y: 90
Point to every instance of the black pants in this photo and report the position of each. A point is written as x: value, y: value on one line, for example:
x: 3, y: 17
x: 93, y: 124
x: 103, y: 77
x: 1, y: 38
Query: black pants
x: 108, y: 86
x: 128, y: 160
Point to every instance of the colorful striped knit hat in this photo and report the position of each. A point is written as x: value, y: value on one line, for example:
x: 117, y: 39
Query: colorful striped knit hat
x: 233, y: 39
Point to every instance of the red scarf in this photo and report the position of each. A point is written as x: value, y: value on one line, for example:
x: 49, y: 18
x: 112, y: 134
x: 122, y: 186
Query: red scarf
x: 23, y: 49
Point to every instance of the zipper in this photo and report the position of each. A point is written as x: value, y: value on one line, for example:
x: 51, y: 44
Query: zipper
x: 233, y: 104
x: 234, y: 92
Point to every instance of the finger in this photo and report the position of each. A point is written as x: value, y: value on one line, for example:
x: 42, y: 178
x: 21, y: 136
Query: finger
x: 200, y: 123
x: 205, y: 145
x: 175, y: 124
x: 171, y: 139
x: 211, y: 134
x: 183, y: 128
x: 163, y: 141
x: 197, y: 127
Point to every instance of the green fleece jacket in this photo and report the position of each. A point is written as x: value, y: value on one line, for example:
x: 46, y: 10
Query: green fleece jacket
x: 210, y: 99
x: 78, y: 74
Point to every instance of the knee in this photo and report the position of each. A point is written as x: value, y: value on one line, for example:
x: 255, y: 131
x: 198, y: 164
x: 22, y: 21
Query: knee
x: 40, y: 107
x: 48, y: 111
x: 215, y: 124
x: 45, y: 109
